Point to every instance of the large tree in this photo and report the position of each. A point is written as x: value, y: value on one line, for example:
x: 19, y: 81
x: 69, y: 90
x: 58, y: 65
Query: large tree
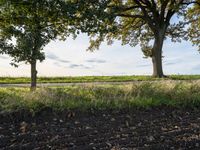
x: 144, y: 22
x: 28, y: 26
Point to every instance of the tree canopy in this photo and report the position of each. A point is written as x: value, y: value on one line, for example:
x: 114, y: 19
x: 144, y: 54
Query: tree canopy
x: 193, y: 15
x: 28, y: 26
x: 137, y: 22
x: 147, y: 23
x: 33, y: 24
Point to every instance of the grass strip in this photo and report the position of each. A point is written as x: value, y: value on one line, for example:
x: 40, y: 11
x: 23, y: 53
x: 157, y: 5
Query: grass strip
x: 143, y: 95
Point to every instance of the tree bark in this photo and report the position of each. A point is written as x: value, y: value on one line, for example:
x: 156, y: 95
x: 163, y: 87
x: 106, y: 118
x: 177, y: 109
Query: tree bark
x: 33, y: 75
x: 157, y: 56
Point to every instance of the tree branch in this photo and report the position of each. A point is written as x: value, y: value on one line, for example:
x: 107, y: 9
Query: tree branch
x: 130, y: 16
x: 147, y: 18
x: 189, y: 3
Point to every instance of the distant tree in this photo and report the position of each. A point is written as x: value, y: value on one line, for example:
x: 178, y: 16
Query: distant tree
x: 27, y: 26
x: 144, y: 22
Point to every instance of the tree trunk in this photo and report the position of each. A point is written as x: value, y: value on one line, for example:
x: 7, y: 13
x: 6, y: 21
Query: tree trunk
x: 33, y: 75
x: 157, y: 57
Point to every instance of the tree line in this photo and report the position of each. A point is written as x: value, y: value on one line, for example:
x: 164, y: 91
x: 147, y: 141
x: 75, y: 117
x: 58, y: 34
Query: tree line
x: 27, y: 26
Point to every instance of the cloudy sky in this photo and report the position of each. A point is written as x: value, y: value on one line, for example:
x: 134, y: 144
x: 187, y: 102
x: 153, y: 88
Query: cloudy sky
x: 70, y: 58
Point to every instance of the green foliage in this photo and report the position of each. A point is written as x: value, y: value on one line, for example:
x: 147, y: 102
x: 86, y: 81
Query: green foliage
x: 193, y: 15
x: 142, y: 22
x: 182, y: 94
x: 28, y: 26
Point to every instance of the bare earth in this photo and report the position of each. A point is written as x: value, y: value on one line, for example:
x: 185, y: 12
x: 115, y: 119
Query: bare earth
x: 158, y: 128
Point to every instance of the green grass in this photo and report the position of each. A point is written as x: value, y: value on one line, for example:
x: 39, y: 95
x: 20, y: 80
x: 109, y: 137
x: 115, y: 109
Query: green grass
x: 143, y: 95
x: 13, y: 80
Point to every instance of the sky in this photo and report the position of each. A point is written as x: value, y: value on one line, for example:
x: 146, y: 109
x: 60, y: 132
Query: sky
x: 70, y: 58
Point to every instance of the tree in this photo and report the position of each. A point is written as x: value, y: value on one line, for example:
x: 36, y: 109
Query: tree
x: 144, y: 22
x: 193, y: 15
x: 33, y: 24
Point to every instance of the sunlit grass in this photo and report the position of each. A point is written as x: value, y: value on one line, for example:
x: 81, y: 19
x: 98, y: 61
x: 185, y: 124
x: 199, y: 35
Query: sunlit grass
x: 143, y: 95
x: 13, y: 80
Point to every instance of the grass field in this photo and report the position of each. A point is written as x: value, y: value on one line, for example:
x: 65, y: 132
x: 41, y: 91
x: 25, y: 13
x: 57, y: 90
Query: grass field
x: 168, y: 93
x: 16, y: 80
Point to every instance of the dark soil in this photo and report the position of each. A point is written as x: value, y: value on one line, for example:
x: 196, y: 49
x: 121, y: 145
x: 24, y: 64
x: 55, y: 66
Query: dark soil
x: 160, y: 128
